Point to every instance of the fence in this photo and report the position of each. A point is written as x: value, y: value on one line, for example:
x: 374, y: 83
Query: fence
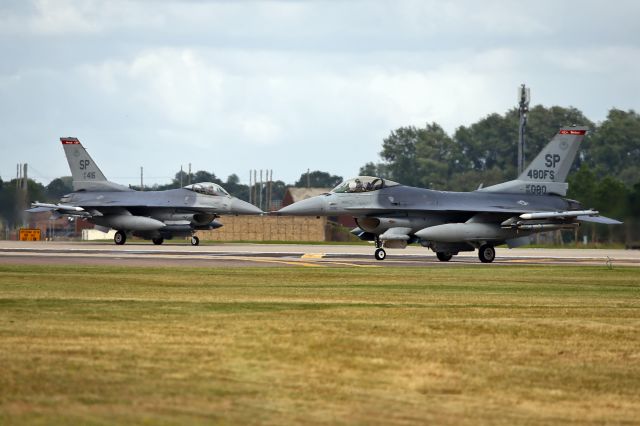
x: 268, y: 228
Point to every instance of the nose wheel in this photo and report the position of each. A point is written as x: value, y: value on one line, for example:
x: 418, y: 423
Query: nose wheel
x: 195, y: 241
x: 379, y: 254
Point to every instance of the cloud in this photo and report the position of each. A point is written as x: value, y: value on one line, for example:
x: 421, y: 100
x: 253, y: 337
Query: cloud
x: 291, y: 85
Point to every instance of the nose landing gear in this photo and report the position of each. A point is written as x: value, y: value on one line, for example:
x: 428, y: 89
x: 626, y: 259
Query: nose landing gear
x: 379, y: 254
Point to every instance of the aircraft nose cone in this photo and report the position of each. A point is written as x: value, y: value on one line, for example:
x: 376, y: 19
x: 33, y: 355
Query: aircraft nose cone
x: 242, y: 207
x: 313, y: 206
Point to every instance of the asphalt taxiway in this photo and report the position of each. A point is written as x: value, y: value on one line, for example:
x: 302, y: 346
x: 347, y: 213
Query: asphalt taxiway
x: 302, y: 255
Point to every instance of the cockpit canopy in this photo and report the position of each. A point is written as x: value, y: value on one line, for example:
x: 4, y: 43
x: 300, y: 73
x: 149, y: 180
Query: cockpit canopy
x: 207, y: 188
x: 363, y: 184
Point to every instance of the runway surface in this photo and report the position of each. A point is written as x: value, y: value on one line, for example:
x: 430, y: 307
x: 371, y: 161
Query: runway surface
x: 278, y: 255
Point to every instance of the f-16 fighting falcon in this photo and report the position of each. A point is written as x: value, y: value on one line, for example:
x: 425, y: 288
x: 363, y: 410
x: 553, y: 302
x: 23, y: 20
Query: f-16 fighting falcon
x: 154, y: 215
x: 393, y: 215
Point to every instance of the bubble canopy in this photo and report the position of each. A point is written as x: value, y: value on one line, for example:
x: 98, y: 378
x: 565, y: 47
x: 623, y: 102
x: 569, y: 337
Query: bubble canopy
x: 363, y: 184
x: 208, y: 188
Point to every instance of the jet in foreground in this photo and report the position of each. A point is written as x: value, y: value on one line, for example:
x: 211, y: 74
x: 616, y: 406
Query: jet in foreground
x: 394, y: 215
x: 154, y: 215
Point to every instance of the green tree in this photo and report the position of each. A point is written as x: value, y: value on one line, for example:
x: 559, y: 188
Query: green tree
x: 399, y: 155
x: 434, y: 151
x: 203, y: 176
x: 634, y: 201
x: 59, y: 187
x: 614, y: 148
x: 318, y: 179
x: 374, y: 169
x: 489, y: 143
x: 582, y: 186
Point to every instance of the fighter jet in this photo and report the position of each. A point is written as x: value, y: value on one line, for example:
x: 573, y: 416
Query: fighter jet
x: 394, y: 215
x: 154, y: 215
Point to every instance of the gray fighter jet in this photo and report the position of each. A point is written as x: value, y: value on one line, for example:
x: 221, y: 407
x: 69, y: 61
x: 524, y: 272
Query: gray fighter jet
x: 154, y: 215
x: 394, y: 215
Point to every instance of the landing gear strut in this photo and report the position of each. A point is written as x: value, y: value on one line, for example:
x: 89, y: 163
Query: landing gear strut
x: 486, y: 253
x: 379, y: 254
x: 120, y: 238
x: 195, y: 240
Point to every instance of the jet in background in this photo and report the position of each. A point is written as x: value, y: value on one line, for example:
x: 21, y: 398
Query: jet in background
x: 393, y: 215
x: 153, y: 215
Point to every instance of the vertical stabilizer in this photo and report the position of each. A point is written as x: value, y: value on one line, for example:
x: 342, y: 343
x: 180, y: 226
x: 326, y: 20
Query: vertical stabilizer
x: 547, y: 173
x: 85, y: 172
x: 555, y: 160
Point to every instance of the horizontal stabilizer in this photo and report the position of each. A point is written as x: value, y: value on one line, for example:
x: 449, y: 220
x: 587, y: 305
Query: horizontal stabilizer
x: 599, y: 219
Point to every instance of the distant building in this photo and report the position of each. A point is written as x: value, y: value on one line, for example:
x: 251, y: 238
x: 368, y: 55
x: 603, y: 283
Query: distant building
x: 53, y: 227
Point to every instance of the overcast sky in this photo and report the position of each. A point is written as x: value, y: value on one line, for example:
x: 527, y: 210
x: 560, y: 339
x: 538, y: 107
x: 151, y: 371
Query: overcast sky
x: 231, y: 86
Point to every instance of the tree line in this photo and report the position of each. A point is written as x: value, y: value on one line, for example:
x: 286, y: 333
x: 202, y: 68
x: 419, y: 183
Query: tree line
x: 605, y: 175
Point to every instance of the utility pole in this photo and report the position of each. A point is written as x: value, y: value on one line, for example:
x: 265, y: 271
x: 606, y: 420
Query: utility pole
x: 141, y: 179
x: 260, y: 189
x: 270, y: 200
x: 189, y: 178
x: 24, y: 195
x: 524, y: 96
x: 250, y: 188
x: 254, y: 188
x: 181, y: 173
x: 308, y: 178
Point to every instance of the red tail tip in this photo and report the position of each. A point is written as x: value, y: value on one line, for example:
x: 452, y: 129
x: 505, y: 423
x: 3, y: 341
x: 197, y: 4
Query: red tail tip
x: 572, y: 132
x: 68, y: 141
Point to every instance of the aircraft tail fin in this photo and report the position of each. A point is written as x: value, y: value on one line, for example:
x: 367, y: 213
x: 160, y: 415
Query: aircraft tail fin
x: 547, y: 173
x: 85, y: 172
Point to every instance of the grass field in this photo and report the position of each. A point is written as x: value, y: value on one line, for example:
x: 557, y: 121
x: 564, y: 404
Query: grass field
x: 474, y: 345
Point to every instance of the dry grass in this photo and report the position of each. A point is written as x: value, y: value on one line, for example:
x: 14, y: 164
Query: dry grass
x: 99, y: 345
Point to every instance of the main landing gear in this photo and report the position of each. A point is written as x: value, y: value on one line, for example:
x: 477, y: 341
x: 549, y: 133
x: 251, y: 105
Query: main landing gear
x: 195, y: 240
x: 444, y: 256
x: 120, y: 238
x: 379, y: 254
x: 486, y: 253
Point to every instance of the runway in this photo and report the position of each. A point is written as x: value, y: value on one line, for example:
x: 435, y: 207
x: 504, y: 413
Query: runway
x: 287, y: 255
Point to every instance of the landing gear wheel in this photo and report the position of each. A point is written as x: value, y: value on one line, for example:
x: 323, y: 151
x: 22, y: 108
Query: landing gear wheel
x: 486, y: 253
x: 158, y: 241
x: 444, y: 256
x: 120, y: 238
x: 380, y: 254
x: 195, y: 241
